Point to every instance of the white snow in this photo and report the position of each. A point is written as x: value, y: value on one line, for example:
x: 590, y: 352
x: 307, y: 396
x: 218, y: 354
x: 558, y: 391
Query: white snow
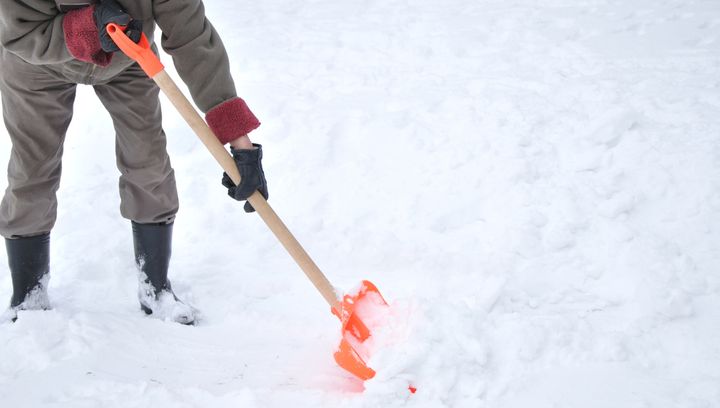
x: 164, y: 305
x: 533, y: 186
x: 36, y: 299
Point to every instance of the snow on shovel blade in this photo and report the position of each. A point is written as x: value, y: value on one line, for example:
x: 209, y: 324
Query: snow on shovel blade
x: 358, y: 312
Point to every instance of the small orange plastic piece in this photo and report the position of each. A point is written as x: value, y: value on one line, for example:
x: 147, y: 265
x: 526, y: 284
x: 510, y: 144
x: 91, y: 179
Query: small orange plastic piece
x: 354, y: 331
x: 140, y: 52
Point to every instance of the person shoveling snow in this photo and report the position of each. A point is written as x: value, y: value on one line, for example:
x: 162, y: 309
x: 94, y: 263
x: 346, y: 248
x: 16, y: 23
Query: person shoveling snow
x: 46, y: 50
x: 84, y: 54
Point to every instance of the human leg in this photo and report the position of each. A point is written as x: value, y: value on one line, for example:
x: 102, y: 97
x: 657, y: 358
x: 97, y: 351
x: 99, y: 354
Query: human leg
x: 37, y: 109
x: 147, y: 187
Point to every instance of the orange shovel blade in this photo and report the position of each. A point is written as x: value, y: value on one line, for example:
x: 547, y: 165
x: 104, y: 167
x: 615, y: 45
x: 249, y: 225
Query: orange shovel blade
x: 351, y: 354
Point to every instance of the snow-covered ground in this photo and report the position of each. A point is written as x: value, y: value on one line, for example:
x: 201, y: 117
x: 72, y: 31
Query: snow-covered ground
x: 534, y: 186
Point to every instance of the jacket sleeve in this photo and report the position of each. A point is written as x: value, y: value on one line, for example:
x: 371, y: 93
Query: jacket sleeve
x: 197, y: 51
x: 33, y: 30
x: 202, y: 62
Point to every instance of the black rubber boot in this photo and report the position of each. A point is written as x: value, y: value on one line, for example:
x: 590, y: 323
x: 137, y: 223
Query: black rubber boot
x: 29, y: 262
x: 153, y: 247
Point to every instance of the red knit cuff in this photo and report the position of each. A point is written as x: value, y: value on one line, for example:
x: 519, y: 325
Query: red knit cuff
x: 82, y: 38
x: 231, y: 119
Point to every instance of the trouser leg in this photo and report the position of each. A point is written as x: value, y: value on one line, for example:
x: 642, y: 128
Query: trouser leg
x: 147, y: 180
x: 37, y: 109
x: 147, y: 187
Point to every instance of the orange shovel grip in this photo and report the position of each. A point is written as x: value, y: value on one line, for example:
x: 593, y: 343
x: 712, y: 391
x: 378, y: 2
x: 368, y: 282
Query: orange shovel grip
x: 140, y: 52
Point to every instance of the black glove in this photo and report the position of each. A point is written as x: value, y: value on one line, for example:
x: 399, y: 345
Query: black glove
x: 109, y: 11
x: 252, y: 176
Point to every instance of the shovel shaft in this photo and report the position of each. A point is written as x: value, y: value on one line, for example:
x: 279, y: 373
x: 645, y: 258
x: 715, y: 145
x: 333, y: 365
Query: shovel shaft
x: 268, y: 215
x: 150, y: 63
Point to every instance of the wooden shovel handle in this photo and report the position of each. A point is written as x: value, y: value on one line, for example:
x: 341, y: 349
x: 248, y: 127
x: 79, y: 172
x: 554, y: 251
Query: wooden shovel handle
x: 152, y: 66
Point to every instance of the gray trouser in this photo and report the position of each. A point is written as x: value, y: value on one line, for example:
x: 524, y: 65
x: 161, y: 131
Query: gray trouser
x: 37, y: 105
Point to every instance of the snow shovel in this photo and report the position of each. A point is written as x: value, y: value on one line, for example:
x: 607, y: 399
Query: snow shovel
x: 351, y: 354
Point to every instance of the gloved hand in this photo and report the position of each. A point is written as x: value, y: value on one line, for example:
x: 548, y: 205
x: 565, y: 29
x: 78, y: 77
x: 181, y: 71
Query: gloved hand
x: 252, y: 176
x: 109, y: 11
